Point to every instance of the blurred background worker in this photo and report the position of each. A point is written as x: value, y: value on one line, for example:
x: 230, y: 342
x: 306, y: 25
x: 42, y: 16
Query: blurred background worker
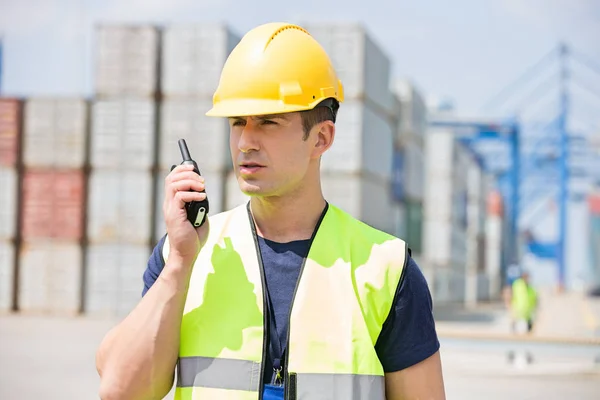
x: 288, y: 293
x: 523, y: 304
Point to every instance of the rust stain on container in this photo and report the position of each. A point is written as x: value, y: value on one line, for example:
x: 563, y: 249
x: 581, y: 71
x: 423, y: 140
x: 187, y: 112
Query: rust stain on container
x: 53, y: 204
x: 10, y: 110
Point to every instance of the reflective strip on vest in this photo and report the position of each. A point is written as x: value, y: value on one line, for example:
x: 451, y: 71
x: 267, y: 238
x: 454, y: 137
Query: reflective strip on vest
x: 340, y: 387
x: 220, y: 373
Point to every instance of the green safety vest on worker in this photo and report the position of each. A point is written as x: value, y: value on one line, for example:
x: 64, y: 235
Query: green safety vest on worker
x: 344, y: 294
x: 524, y: 300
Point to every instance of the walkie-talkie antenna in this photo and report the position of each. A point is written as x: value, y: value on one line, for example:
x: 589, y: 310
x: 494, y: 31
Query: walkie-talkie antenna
x: 185, y: 153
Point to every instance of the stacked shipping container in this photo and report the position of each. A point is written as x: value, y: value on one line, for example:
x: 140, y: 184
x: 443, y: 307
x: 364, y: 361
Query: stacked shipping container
x: 445, y: 222
x: 192, y: 59
x: 122, y: 160
x: 10, y: 144
x: 53, y: 198
x: 357, y: 169
x: 409, y: 174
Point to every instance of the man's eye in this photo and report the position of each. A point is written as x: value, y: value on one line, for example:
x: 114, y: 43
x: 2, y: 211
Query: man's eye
x: 269, y: 122
x: 238, y: 123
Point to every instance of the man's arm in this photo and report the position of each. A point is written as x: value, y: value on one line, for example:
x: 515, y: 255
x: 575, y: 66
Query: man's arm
x: 137, y: 358
x: 420, y: 381
x: 408, y: 346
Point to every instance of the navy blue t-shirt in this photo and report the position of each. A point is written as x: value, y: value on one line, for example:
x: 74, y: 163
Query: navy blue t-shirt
x: 408, y: 335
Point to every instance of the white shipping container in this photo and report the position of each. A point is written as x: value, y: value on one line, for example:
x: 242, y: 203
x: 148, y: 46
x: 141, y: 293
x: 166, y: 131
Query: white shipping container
x: 126, y: 58
x: 8, y: 202
x: 120, y: 205
x: 123, y: 134
x: 361, y: 65
x: 7, y: 260
x: 414, y: 170
x: 412, y: 121
x: 50, y: 277
x: 114, y: 278
x: 363, y: 143
x: 233, y: 195
x: 55, y: 133
x: 215, y: 191
x: 366, y: 199
x: 207, y: 138
x: 193, y: 57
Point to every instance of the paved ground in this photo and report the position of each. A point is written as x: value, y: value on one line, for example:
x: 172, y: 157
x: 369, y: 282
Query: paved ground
x: 53, y: 358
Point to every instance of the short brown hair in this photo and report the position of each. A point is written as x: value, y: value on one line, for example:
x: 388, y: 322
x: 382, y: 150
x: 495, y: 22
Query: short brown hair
x: 317, y: 115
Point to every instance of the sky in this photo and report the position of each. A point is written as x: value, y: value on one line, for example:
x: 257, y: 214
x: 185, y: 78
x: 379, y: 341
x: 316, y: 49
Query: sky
x: 467, y: 51
x: 463, y: 50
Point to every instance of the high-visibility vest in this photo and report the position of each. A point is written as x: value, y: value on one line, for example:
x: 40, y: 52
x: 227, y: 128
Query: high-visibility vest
x: 524, y: 300
x: 343, y: 296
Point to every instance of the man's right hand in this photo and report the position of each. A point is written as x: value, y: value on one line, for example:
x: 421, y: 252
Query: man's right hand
x: 183, y: 185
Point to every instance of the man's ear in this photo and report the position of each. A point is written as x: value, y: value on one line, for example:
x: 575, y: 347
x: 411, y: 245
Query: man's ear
x: 324, y: 133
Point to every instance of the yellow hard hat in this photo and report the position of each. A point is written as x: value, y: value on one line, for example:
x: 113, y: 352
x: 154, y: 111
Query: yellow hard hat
x: 275, y: 68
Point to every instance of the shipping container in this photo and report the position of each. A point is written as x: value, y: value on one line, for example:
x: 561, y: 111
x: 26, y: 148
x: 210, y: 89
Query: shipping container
x: 414, y: 225
x: 114, y: 278
x: 363, y: 143
x: 123, y: 134
x: 207, y: 138
x: 364, y: 198
x: 50, y: 277
x: 192, y: 58
x: 126, y: 60
x: 53, y: 204
x: 362, y: 66
x: 445, y: 214
x: 233, y: 195
x: 7, y: 264
x: 414, y: 170
x: 215, y: 191
x: 55, y: 133
x: 10, y: 131
x: 412, y: 112
x: 8, y: 203
x: 120, y: 204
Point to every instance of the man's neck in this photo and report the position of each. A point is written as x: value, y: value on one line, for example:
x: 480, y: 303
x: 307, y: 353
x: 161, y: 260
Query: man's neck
x: 288, y: 218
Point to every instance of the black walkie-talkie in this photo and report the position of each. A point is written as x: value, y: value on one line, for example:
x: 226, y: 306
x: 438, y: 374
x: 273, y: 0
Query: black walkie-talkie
x: 196, y: 210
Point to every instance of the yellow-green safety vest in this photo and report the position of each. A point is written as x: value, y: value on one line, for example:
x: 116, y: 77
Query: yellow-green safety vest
x: 524, y: 300
x: 343, y: 296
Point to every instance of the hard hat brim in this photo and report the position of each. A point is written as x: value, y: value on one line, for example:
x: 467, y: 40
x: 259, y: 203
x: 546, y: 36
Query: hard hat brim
x: 251, y: 107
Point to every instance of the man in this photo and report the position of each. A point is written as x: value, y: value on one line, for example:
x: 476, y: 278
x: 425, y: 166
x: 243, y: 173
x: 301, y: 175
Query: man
x: 288, y: 296
x: 523, y: 304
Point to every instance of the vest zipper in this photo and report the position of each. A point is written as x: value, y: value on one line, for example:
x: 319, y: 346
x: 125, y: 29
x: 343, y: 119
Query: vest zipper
x: 265, y: 308
x: 289, y: 393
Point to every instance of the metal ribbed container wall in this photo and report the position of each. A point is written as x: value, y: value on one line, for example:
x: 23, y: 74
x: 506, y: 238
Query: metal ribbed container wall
x: 10, y: 114
x: 363, y: 142
x: 414, y: 170
x: 362, y: 66
x: 119, y: 207
x: 53, y: 202
x: 7, y: 262
x: 362, y: 197
x: 207, y: 137
x: 192, y: 59
x: 123, y: 134
x: 412, y: 121
x: 215, y: 191
x: 50, y: 277
x: 126, y: 60
x: 445, y: 215
x: 8, y: 203
x: 55, y: 133
x: 114, y: 278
